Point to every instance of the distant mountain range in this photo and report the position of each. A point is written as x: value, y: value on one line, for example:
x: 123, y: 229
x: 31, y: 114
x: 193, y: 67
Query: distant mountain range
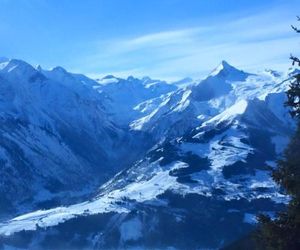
x: 145, y: 163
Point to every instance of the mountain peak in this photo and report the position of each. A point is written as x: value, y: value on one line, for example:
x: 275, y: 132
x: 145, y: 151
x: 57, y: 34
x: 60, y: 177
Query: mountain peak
x: 223, y: 66
x: 146, y: 79
x: 39, y: 67
x: 20, y: 71
x: 19, y: 65
x: 3, y: 59
x: 224, y: 69
x: 131, y: 78
x: 59, y: 69
x: 109, y: 77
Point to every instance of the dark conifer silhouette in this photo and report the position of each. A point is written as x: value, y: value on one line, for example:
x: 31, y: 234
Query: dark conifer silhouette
x: 283, y: 232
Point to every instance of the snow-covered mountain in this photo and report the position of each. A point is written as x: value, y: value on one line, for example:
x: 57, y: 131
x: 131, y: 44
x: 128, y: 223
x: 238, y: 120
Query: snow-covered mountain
x: 184, y: 82
x: 123, y: 97
x: 56, y: 137
x: 185, y: 108
x: 202, y: 183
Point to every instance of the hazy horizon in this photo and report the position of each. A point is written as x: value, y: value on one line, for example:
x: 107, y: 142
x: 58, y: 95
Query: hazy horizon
x: 168, y: 39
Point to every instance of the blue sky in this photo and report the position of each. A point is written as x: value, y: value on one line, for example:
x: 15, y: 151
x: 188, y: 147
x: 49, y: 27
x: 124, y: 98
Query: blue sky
x: 167, y: 39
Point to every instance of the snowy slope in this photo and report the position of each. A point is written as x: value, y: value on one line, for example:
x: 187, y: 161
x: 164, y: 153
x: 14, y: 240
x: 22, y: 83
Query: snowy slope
x: 182, y: 83
x: 186, y: 108
x: 122, y: 97
x: 205, y: 181
x: 56, y: 137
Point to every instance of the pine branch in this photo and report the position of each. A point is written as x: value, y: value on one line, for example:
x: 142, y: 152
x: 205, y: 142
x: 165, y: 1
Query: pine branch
x: 295, y: 29
x: 295, y: 60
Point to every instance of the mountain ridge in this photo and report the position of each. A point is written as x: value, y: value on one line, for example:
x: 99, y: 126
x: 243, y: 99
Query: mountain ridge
x: 210, y: 148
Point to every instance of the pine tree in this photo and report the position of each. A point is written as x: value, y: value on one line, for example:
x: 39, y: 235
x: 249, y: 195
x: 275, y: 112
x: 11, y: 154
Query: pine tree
x: 283, y: 232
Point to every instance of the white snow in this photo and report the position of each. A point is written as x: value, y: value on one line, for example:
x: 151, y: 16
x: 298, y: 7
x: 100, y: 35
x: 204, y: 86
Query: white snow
x: 229, y: 114
x: 108, y: 80
x: 184, y: 102
x: 218, y: 69
x: 52, y: 217
x: 141, y: 191
x: 149, y: 189
x: 153, y: 107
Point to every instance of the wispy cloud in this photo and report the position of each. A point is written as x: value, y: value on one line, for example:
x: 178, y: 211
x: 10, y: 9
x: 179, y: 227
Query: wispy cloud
x: 162, y: 38
x: 251, y: 42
